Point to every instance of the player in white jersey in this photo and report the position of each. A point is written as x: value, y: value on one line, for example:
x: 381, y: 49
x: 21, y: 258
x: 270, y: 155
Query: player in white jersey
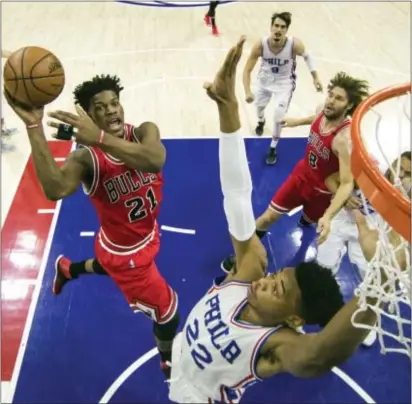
x: 276, y: 76
x: 344, y: 234
x: 244, y: 329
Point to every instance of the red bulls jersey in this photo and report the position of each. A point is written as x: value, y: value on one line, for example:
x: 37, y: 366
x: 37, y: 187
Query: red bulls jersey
x: 127, y: 201
x: 320, y: 161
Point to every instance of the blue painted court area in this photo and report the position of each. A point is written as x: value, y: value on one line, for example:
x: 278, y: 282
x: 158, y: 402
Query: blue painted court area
x: 82, y: 340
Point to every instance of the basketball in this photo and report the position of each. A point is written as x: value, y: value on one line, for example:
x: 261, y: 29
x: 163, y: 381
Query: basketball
x: 33, y: 76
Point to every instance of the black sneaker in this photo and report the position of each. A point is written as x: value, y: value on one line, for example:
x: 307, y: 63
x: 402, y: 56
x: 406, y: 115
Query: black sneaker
x: 227, y: 264
x: 259, y: 128
x: 272, y: 157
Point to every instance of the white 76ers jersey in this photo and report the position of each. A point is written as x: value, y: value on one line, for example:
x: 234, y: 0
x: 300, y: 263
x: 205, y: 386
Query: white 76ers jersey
x: 277, y: 69
x: 217, y: 353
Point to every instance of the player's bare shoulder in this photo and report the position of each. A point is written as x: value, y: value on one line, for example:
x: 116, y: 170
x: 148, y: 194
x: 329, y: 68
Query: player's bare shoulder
x: 146, y: 130
x: 298, y: 47
x: 268, y: 363
x: 342, y: 141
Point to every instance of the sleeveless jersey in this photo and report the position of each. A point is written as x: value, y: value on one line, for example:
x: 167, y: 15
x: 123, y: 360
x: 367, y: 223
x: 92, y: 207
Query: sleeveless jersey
x: 320, y: 161
x: 219, y: 352
x: 277, y: 69
x: 126, y: 200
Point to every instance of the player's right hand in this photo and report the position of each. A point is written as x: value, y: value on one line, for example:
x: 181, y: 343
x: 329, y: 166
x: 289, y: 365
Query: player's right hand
x: 353, y: 203
x: 222, y: 90
x: 28, y: 114
x: 290, y: 123
x: 250, y: 98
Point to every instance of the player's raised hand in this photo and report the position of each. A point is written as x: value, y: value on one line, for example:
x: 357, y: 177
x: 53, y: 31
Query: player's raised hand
x: 222, y: 90
x: 28, y: 114
x: 88, y: 133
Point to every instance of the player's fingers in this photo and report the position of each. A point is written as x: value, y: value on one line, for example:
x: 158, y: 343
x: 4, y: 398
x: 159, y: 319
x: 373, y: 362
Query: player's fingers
x: 53, y: 124
x: 80, y: 110
x: 65, y: 117
x: 239, y: 50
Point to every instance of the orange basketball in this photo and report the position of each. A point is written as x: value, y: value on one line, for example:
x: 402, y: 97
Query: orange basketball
x: 33, y: 76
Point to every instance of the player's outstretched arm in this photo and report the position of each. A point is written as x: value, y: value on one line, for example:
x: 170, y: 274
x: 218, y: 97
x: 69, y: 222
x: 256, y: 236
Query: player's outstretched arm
x: 312, y: 355
x: 250, y: 65
x: 149, y: 155
x: 300, y: 50
x: 235, y: 177
x: 341, y: 146
x: 56, y: 182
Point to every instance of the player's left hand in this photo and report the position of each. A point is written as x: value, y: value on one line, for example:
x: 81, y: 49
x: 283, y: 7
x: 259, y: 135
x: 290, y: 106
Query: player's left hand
x: 87, y: 132
x: 323, y: 228
x: 318, y: 85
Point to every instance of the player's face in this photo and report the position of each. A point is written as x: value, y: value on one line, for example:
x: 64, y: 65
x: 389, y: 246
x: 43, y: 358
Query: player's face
x: 337, y: 103
x: 276, y: 298
x: 278, y: 30
x: 404, y: 174
x: 108, y: 113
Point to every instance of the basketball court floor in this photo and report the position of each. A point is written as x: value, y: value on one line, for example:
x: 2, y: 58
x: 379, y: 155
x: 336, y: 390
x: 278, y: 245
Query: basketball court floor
x: 86, y: 346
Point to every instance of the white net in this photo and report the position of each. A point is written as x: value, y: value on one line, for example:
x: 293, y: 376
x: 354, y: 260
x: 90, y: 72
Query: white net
x: 385, y: 131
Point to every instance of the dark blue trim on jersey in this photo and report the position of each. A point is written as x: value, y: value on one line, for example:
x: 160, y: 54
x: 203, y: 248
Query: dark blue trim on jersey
x: 170, y: 4
x: 217, y: 282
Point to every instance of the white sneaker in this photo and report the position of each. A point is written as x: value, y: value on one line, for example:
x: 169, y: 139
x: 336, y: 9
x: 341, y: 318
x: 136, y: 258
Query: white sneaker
x: 370, y: 339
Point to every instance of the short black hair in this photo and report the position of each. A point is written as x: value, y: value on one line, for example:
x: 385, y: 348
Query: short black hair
x: 357, y: 90
x: 388, y: 173
x: 321, y: 294
x: 84, y: 92
x: 285, y: 17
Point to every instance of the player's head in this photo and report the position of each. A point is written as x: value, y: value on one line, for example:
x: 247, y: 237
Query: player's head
x: 403, y: 172
x: 345, y: 93
x: 99, y: 97
x: 279, y: 26
x: 307, y: 294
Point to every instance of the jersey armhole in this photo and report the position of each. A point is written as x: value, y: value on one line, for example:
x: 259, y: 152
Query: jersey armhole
x: 95, y: 174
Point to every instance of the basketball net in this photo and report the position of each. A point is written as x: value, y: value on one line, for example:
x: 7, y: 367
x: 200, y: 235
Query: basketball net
x: 392, y: 257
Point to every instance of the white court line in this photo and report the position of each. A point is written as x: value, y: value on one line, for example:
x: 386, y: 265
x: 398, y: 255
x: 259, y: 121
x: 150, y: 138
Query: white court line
x: 126, y: 374
x: 45, y: 211
x: 5, y: 386
x: 111, y: 391
x: 294, y: 211
x: 178, y: 230
x: 86, y: 233
x: 33, y: 304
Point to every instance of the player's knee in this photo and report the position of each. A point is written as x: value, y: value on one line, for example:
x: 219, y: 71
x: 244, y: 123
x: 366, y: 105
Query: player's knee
x: 167, y: 331
x: 280, y: 112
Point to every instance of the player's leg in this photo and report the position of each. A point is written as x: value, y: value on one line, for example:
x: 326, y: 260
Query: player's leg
x: 262, y: 99
x: 210, y: 17
x: 149, y: 293
x: 287, y: 197
x: 283, y: 97
x: 66, y: 270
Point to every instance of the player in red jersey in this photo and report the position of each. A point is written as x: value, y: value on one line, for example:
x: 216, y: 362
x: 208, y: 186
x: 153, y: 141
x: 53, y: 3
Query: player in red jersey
x: 327, y: 152
x: 119, y: 167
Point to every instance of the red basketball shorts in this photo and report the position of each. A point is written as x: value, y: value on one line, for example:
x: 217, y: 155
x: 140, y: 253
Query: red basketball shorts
x: 140, y: 281
x: 297, y: 191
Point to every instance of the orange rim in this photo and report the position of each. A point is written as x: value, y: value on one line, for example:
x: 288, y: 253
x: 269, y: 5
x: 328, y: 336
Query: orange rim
x: 387, y: 200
